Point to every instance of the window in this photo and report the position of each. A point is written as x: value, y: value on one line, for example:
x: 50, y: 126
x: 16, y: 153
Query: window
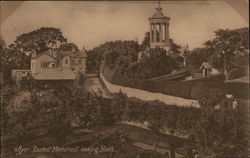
x: 32, y: 65
x: 80, y: 62
x: 72, y: 61
x: 66, y: 61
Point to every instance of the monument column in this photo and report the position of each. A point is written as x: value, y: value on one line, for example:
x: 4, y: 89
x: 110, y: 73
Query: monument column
x: 163, y: 32
x: 155, y: 32
x: 159, y: 28
x: 167, y: 31
x: 151, y: 35
x: 160, y: 31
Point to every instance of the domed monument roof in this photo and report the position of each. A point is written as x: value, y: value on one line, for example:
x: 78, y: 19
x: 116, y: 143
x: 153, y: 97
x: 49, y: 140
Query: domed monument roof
x: 158, y: 14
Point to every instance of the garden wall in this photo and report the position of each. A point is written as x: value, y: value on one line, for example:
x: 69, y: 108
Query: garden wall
x: 187, y: 90
x: 145, y: 95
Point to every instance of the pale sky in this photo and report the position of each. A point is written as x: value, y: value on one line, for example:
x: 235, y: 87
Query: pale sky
x: 90, y: 24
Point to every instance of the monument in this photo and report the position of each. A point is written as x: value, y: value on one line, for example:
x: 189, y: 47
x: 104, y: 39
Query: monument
x: 159, y: 29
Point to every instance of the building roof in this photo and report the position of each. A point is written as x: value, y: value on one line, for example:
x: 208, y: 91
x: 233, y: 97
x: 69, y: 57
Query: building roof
x: 45, y: 53
x: 57, y: 54
x: 206, y: 65
x: 55, y: 74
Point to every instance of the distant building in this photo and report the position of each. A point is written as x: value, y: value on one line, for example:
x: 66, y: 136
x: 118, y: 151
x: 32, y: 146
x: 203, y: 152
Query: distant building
x: 53, y: 67
x: 159, y: 34
x: 159, y: 29
x: 75, y: 61
x: 208, y: 70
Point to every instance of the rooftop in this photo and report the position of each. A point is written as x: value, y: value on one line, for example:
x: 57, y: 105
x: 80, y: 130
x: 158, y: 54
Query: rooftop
x: 206, y: 65
x: 57, y: 54
x: 55, y: 74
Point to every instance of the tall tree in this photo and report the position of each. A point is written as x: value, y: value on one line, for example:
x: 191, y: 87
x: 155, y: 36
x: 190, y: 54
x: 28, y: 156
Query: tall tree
x: 68, y: 47
x: 175, y: 48
x: 146, y: 42
x: 221, y: 50
x: 40, y: 40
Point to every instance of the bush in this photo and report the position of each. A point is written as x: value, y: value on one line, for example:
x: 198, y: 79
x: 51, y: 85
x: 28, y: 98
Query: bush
x: 154, y: 65
x: 213, y: 97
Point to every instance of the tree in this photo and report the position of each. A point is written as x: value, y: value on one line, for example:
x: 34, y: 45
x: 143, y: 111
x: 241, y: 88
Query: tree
x: 112, y: 49
x: 93, y: 61
x: 17, y: 55
x: 226, y: 45
x: 39, y: 40
x: 197, y: 56
x: 213, y: 97
x: 175, y: 48
x: 145, y: 43
x: 2, y: 44
x: 229, y: 137
x: 68, y: 47
x: 156, y: 65
x: 117, y: 140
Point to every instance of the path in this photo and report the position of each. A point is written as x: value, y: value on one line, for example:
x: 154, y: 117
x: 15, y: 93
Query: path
x: 93, y: 84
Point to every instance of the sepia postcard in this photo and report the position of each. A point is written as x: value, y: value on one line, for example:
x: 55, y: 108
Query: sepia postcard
x: 125, y: 79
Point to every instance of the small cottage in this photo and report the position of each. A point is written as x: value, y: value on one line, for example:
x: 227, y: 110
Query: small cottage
x: 206, y: 69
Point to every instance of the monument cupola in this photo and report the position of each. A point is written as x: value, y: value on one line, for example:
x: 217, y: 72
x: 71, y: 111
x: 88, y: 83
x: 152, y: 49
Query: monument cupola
x: 159, y: 29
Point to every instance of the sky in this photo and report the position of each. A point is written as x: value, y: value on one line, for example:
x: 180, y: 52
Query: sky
x: 89, y: 24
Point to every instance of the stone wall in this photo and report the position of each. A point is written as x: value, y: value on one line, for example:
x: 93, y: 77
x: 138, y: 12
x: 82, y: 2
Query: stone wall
x: 145, y: 95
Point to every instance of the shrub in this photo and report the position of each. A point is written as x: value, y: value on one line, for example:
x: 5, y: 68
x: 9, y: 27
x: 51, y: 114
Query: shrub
x: 212, y: 98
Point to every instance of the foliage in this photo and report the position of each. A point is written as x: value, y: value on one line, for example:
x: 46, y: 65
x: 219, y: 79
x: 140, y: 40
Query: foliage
x: 118, y: 48
x: 221, y: 50
x: 211, y: 98
x: 17, y: 54
x: 228, y: 138
x: 146, y: 42
x: 40, y: 40
x: 197, y: 56
x: 198, y: 122
x: 157, y: 64
x: 174, y: 48
x: 68, y: 47
x: 93, y: 61
x: 59, y: 125
x: 117, y: 140
x: 89, y: 110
